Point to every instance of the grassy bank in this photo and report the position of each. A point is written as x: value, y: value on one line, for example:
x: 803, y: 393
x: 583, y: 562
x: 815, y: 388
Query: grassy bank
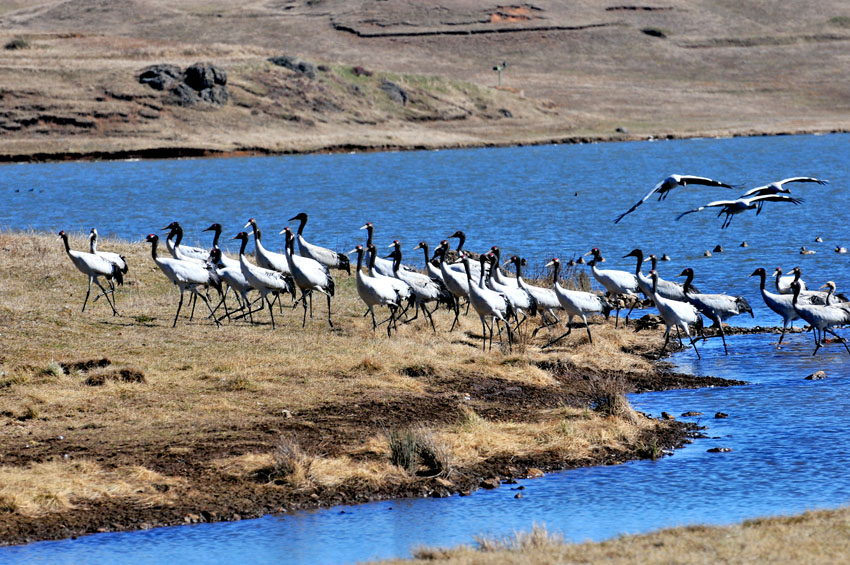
x: 124, y: 422
x: 812, y: 537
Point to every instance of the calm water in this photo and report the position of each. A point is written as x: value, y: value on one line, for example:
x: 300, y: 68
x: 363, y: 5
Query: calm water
x: 789, y: 449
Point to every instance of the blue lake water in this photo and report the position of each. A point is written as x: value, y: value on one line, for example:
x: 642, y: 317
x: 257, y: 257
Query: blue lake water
x: 790, y: 452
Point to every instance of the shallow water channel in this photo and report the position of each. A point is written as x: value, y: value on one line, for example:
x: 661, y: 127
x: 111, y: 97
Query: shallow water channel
x: 790, y: 450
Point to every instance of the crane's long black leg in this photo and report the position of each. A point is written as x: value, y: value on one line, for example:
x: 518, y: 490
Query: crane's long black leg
x: 193, y: 299
x: 328, y: 296
x: 722, y: 336
x: 179, y: 306
x: 212, y: 314
x: 271, y: 310
x: 587, y: 327
x: 111, y: 305
x: 304, y: 304
x: 784, y: 328
x: 430, y: 317
x: 666, y: 339
x: 841, y: 339
x: 374, y: 322
x: 457, y: 313
x: 617, y: 315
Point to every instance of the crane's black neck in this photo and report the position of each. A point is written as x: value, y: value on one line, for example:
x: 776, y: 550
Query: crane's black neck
x: 465, y: 268
x: 461, y: 239
x: 639, y: 256
x: 654, y: 262
x: 396, y: 255
x: 424, y: 247
x: 64, y: 237
x: 372, y: 257
x: 303, y: 220
x: 517, y: 263
x: 359, y: 259
x: 685, y: 287
x: 369, y: 229
x: 154, y: 245
x: 243, y: 245
x: 762, y: 277
x: 256, y: 231
x: 217, y: 232
x: 555, y: 272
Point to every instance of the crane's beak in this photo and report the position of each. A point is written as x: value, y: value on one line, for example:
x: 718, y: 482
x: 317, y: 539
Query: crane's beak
x: 352, y: 251
x: 549, y: 264
x: 283, y: 231
x: 391, y: 245
x: 365, y: 226
x: 647, y: 259
x: 588, y: 253
x: 247, y: 225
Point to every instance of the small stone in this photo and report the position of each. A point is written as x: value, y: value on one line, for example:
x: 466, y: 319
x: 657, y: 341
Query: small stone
x: 721, y: 415
x: 691, y: 414
x: 518, y: 495
x: 816, y: 376
x: 533, y: 473
x: 719, y: 450
x: 490, y: 483
x: 667, y: 416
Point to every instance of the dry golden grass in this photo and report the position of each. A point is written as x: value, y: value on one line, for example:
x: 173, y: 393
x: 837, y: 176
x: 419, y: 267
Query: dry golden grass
x: 202, y: 383
x: 40, y: 488
x: 812, y: 537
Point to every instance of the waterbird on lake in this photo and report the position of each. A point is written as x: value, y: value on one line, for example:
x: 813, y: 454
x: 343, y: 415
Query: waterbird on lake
x: 94, y: 267
x: 715, y: 307
x: 779, y: 303
x: 668, y: 289
x: 327, y: 257
x: 818, y: 239
x: 744, y: 244
x: 668, y: 184
x: 816, y: 296
x: 676, y: 314
x: 576, y: 303
x: 783, y: 282
x: 840, y: 249
x: 718, y: 249
x: 805, y: 251
x: 734, y: 207
x: 821, y: 317
x: 265, y: 281
x: 615, y: 282
x: 187, y: 275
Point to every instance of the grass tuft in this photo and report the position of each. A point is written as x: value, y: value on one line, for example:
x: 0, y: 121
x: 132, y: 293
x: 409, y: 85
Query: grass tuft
x: 290, y: 464
x: 608, y: 397
x: 418, y: 450
x: 16, y: 43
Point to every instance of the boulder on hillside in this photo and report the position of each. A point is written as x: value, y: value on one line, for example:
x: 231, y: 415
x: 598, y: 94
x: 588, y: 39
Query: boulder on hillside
x: 295, y: 64
x: 199, y: 82
x: 161, y: 77
x: 394, y: 91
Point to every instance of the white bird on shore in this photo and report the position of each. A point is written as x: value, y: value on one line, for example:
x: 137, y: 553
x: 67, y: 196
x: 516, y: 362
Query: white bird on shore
x: 576, y: 303
x: 309, y: 275
x: 668, y: 184
x: 779, y: 303
x: 615, y: 282
x: 265, y: 281
x: 180, y: 251
x: 675, y: 314
x: 457, y: 285
x: 382, y: 266
x: 94, y: 267
x: 223, y: 259
x: 488, y: 304
x: 186, y: 275
x: 265, y: 258
x: 327, y: 257
x: 113, y: 258
x: 374, y: 292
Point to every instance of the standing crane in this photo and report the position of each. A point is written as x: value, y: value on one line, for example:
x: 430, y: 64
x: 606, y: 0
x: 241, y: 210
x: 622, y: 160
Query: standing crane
x: 186, y: 275
x: 675, y: 314
x: 715, y: 307
x: 779, y: 303
x: 488, y: 304
x: 179, y: 251
x: 309, y: 275
x: 327, y: 257
x: 615, y: 282
x: 375, y: 292
x: 114, y: 258
x: 821, y: 317
x: 576, y: 303
x: 265, y: 281
x: 94, y: 267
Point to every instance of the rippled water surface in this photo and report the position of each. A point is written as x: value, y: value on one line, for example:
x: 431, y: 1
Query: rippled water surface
x: 788, y: 435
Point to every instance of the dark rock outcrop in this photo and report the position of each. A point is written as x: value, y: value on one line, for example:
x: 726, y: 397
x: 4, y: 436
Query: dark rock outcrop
x: 394, y: 91
x: 295, y: 64
x: 199, y: 82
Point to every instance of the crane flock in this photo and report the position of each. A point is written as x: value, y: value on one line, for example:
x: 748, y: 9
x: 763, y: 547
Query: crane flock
x: 502, y: 302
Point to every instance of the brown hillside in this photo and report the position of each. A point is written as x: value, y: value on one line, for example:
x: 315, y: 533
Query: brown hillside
x: 579, y: 69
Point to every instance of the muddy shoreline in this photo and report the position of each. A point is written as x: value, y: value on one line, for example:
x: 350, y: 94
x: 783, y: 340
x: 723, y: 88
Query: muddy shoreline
x: 190, y: 152
x: 210, y: 496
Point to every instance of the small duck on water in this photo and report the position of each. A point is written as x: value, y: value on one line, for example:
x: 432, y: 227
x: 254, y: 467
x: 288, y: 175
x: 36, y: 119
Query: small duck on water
x: 839, y: 249
x: 804, y: 251
x: 744, y: 244
x: 818, y: 239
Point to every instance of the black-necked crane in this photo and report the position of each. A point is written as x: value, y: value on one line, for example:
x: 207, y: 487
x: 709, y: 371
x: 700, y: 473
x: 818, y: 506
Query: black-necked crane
x: 186, y: 275
x: 668, y: 289
x: 734, y: 207
x: 403, y: 289
x: 497, y: 274
x: 715, y: 307
x: 94, y: 267
x: 265, y: 281
x: 488, y: 304
x: 425, y: 289
x: 676, y: 314
x: 458, y: 285
x: 374, y: 292
x: 327, y: 257
x: 382, y: 266
x: 576, y: 303
x: 180, y: 251
x: 234, y: 279
x: 474, y: 263
x: 547, y: 301
x: 265, y: 258
x: 668, y: 184
x: 779, y: 303
x: 821, y: 317
x: 309, y: 275
x: 778, y: 187
x: 815, y: 296
x: 522, y: 301
x: 432, y: 270
x: 110, y: 256
x: 783, y: 282
x: 615, y: 282
x: 223, y: 259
